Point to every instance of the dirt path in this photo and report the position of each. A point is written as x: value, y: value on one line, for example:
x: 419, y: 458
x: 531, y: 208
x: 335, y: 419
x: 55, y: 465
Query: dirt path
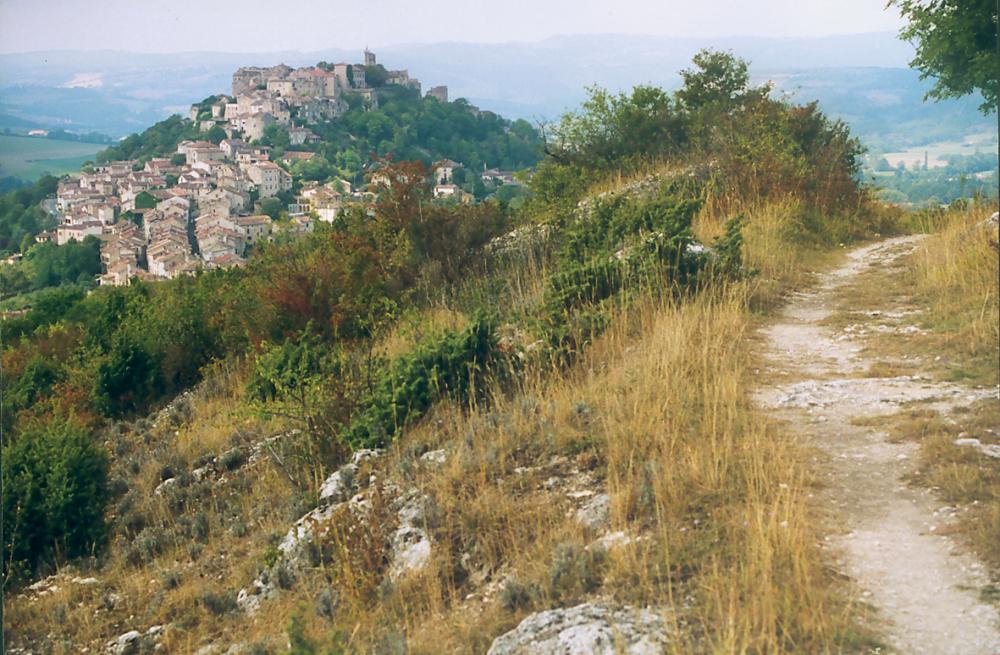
x: 922, y: 585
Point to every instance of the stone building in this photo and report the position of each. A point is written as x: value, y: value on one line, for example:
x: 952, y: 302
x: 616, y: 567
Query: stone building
x: 438, y: 92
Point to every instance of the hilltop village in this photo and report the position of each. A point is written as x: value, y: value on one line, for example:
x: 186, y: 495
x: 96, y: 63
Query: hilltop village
x: 202, y: 207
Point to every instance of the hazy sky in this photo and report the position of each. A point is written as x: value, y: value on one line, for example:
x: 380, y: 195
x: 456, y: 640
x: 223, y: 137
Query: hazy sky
x: 267, y: 25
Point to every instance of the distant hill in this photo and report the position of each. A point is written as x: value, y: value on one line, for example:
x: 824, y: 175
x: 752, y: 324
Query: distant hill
x: 862, y: 78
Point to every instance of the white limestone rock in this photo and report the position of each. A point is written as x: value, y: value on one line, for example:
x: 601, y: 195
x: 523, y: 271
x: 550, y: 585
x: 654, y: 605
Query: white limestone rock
x: 612, y: 541
x: 595, y: 513
x: 125, y: 644
x: 411, y: 546
x: 588, y: 629
x: 990, y: 450
x: 134, y: 642
x: 164, y: 486
x: 434, y: 458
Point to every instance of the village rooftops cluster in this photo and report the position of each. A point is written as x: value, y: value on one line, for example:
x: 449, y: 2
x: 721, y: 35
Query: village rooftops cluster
x: 173, y: 216
x: 281, y: 95
x: 184, y: 215
x: 203, y: 219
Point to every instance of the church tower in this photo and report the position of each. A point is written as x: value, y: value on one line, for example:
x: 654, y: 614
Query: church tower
x: 369, y: 57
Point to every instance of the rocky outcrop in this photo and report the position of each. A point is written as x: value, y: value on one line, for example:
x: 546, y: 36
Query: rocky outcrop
x: 588, y: 629
x: 296, y: 548
x: 595, y: 513
x: 411, y: 545
x: 339, y: 487
x: 134, y: 642
x: 520, y: 240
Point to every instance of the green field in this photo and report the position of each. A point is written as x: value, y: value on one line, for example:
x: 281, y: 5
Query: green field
x: 971, y: 144
x: 27, y: 158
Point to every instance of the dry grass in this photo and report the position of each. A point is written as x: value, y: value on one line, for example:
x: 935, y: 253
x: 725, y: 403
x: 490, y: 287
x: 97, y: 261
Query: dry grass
x: 965, y: 477
x: 657, y: 416
x: 778, y: 246
x: 617, y: 180
x: 955, y: 273
x: 171, y: 550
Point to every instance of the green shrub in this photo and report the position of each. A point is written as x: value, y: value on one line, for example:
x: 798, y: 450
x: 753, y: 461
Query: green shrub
x: 620, y: 220
x: 453, y: 364
x: 300, y: 644
x: 54, y: 497
x: 307, y: 380
x: 621, y: 242
x: 219, y: 603
x: 575, y: 571
x: 729, y: 249
x: 515, y: 596
x: 128, y: 379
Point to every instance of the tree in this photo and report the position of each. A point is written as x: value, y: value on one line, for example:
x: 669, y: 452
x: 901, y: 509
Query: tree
x: 21, y: 215
x: 160, y: 140
x: 127, y: 379
x: 276, y: 136
x: 376, y: 76
x: 717, y: 80
x: 613, y: 128
x: 55, y: 493
x: 316, y: 168
x: 309, y: 382
x: 956, y: 43
x: 216, y: 135
x: 272, y: 207
x: 34, y: 382
x: 145, y: 200
x: 76, y: 261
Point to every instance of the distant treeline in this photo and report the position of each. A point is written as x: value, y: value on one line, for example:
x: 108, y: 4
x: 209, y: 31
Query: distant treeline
x: 964, y: 176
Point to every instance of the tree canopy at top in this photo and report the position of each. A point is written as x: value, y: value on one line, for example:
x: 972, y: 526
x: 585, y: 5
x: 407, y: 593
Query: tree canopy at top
x: 956, y: 43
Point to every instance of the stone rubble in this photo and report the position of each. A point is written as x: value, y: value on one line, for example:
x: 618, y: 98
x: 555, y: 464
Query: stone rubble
x: 435, y: 458
x: 294, y: 549
x: 873, y: 395
x: 613, y: 540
